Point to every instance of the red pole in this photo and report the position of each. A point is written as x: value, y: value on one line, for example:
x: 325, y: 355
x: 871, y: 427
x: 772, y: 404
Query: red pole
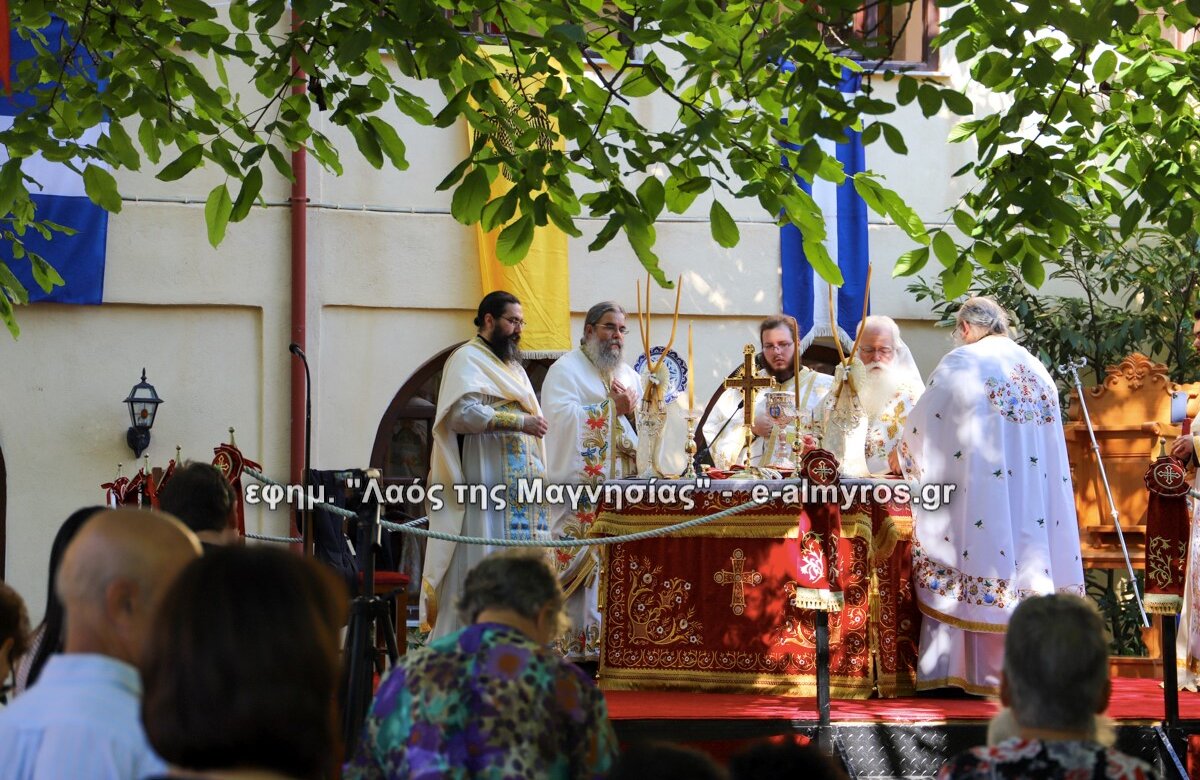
x: 299, y: 215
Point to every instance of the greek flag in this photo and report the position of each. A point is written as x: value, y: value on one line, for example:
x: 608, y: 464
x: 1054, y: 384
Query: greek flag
x: 805, y: 294
x: 59, y: 197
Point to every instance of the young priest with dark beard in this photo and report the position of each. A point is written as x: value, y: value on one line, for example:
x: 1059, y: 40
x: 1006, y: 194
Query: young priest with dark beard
x: 487, y: 432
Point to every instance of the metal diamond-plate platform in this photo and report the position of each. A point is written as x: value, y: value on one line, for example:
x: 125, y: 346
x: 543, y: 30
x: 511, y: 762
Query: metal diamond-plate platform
x: 883, y: 750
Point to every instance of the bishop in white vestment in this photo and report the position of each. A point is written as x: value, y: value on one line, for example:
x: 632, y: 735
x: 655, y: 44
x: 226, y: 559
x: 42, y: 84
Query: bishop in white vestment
x: 890, y: 390
x: 588, y: 396
x: 988, y: 424
x: 486, y: 436
x: 724, y: 431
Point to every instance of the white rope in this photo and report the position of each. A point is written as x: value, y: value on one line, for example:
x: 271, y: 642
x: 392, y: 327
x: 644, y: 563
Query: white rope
x: 280, y: 539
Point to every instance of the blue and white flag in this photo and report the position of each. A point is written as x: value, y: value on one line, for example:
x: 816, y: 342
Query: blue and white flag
x: 805, y: 294
x: 78, y: 258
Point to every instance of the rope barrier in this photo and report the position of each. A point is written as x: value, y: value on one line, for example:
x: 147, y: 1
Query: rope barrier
x: 280, y: 539
x: 410, y: 527
x: 634, y: 537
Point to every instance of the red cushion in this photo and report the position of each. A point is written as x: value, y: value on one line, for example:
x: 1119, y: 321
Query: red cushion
x: 388, y: 579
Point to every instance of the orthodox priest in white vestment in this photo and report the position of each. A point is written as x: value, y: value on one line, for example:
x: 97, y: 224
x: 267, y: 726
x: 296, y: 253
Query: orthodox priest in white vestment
x: 989, y: 424
x: 486, y: 436
x: 724, y: 430
x: 889, y: 391
x: 588, y: 395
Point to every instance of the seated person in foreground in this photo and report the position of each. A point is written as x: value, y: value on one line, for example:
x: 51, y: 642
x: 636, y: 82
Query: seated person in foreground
x: 1055, y: 682
x: 242, y: 667
x: 491, y: 700
x: 83, y: 720
x: 49, y: 636
x: 200, y: 496
x: 14, y: 631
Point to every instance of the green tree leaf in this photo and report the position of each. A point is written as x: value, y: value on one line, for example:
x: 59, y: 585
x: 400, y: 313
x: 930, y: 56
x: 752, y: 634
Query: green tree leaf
x: 911, y: 261
x: 724, y: 230
x: 101, y: 187
x: 217, y: 209
x: 514, y: 241
x: 183, y: 164
x: 471, y: 196
x: 944, y: 248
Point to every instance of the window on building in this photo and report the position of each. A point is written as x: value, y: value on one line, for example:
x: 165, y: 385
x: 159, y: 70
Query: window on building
x: 898, y: 35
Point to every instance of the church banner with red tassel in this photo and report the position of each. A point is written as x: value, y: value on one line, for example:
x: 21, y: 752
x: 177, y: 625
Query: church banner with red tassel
x: 1166, y: 536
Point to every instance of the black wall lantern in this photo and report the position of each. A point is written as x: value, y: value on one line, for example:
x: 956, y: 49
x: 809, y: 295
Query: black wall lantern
x: 143, y: 404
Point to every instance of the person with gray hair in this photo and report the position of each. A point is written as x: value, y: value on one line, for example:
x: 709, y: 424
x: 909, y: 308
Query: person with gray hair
x: 1055, y: 687
x: 588, y: 397
x: 979, y: 317
x: 989, y: 428
x: 492, y: 700
x: 83, y: 717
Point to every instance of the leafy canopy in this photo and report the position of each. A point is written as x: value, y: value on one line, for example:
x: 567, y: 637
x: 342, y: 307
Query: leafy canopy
x: 1097, y: 112
x: 716, y: 64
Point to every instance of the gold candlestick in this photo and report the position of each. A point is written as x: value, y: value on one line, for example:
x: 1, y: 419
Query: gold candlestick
x: 689, y: 446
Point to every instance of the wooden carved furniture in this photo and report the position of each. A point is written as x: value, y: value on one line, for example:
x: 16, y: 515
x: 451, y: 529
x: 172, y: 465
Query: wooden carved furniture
x: 1131, y: 414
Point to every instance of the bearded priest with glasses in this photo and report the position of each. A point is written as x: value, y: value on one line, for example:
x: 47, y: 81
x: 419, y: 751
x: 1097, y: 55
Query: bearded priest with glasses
x: 487, y: 435
x: 589, y: 396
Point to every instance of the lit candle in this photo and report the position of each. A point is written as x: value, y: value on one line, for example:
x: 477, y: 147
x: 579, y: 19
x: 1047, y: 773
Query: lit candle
x: 796, y: 380
x: 796, y: 361
x: 691, y: 373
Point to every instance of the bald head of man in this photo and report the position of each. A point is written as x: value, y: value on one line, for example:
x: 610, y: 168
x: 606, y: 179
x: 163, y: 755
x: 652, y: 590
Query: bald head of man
x: 113, y: 575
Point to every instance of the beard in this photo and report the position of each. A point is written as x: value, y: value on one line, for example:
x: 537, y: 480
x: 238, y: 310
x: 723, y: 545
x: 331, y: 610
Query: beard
x: 883, y: 380
x: 781, y: 376
x: 605, y: 355
x: 507, y: 348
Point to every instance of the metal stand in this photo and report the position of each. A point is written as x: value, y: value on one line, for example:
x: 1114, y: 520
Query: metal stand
x: 824, y: 732
x: 369, y: 614
x: 1072, y: 368
x: 1170, y: 673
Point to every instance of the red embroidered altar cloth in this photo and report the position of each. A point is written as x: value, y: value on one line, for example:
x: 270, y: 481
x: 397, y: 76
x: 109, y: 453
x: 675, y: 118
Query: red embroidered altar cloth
x: 728, y: 606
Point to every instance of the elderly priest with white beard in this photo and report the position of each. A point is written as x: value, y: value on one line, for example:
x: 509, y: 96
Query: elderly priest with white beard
x: 890, y: 389
x: 588, y: 396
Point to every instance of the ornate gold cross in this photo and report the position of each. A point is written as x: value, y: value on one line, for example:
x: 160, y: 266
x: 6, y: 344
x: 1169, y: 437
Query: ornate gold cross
x: 747, y: 383
x: 739, y: 579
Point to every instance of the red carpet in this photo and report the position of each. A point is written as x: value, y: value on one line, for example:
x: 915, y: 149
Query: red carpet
x: 1132, y: 700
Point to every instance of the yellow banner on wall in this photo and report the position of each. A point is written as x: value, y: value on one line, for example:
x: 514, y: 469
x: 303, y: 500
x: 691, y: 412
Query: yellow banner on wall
x: 541, y: 281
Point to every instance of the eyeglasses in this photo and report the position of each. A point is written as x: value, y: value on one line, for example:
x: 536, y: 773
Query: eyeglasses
x: 608, y: 326
x: 778, y: 347
x: 516, y: 322
x: 883, y: 352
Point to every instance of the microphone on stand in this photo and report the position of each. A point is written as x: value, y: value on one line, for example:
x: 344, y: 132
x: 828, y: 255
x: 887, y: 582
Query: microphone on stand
x: 708, y: 445
x: 305, y: 511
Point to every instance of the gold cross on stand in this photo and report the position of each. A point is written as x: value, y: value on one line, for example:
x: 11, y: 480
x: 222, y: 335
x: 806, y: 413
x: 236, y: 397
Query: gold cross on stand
x: 739, y: 578
x: 748, y: 383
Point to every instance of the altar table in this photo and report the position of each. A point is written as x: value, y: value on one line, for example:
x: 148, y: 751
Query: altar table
x: 729, y: 606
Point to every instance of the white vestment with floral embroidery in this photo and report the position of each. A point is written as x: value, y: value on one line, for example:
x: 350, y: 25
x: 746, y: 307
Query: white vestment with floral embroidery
x: 580, y: 451
x: 1187, y: 643
x: 989, y: 424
